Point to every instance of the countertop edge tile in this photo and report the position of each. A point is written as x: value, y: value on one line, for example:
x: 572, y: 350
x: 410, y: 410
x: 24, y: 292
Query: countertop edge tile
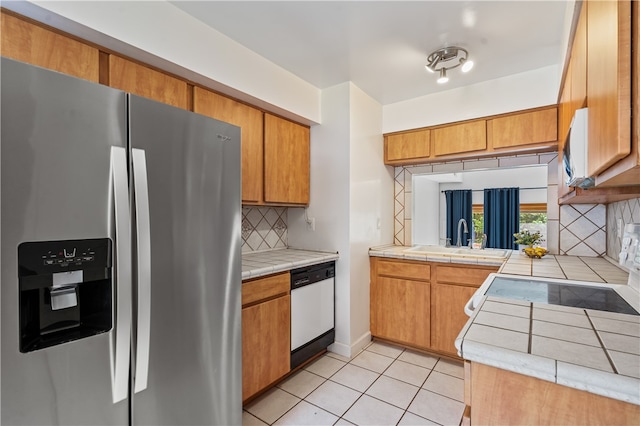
x: 599, y: 382
x: 282, y: 259
x: 510, y: 360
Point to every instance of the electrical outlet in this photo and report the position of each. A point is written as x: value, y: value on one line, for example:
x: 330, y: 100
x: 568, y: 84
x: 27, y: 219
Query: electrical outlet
x: 619, y: 228
x: 311, y: 224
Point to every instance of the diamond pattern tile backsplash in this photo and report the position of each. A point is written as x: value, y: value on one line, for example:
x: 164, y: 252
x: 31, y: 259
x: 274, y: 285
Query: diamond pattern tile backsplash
x: 264, y: 228
x: 629, y: 212
x: 583, y: 229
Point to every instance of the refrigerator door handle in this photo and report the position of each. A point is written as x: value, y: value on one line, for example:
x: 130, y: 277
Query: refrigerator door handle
x: 121, y: 336
x: 143, y: 234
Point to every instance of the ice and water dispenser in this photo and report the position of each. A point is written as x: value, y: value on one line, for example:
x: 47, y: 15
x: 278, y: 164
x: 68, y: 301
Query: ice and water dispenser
x: 65, y: 291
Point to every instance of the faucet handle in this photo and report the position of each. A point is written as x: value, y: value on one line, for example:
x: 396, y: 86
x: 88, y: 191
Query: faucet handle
x: 447, y: 241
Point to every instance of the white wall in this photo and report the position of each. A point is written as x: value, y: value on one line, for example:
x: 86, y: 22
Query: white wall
x: 512, y: 93
x: 427, y: 214
x: 160, y: 34
x: 351, y: 190
x: 329, y: 202
x: 371, y: 214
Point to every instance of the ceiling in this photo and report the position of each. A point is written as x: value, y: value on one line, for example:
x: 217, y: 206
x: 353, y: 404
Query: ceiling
x: 382, y: 46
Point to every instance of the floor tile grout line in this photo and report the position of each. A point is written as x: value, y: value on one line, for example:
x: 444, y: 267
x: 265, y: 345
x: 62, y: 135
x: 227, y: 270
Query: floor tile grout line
x: 379, y: 374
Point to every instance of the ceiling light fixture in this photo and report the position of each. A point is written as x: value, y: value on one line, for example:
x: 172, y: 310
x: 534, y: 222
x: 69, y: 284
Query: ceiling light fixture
x: 448, y: 58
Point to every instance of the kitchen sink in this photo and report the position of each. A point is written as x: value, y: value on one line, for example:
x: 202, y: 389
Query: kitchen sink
x: 433, y: 250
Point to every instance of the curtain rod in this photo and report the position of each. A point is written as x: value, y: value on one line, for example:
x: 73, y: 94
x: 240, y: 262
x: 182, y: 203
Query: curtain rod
x: 477, y: 190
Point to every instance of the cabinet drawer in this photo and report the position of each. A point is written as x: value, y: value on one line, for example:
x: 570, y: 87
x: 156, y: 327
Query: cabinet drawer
x: 265, y: 288
x: 461, y: 275
x: 405, y: 270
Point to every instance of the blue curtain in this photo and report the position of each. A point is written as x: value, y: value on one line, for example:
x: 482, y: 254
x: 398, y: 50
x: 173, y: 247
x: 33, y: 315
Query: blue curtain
x: 459, y: 206
x: 501, y: 216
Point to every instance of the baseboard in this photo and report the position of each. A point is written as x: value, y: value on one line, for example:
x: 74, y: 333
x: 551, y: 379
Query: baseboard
x: 351, y: 350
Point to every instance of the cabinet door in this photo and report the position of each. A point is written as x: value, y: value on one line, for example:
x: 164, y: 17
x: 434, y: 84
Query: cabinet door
x: 524, y: 129
x: 286, y: 161
x: 460, y: 138
x: 266, y: 350
x: 143, y: 81
x: 402, y: 311
x: 408, y: 146
x: 608, y: 82
x: 565, y: 113
x: 578, y: 70
x: 447, y: 315
x: 250, y: 121
x: 35, y: 45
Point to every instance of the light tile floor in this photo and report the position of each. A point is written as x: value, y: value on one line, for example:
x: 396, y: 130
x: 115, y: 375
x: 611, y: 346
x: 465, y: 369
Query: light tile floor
x: 382, y: 385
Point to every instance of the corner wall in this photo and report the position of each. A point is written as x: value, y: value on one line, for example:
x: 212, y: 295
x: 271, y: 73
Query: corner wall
x: 350, y: 193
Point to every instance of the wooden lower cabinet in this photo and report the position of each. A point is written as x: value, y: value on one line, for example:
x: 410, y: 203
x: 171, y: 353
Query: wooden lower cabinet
x: 447, y: 314
x: 500, y: 397
x: 421, y: 304
x: 402, y: 312
x: 266, y: 332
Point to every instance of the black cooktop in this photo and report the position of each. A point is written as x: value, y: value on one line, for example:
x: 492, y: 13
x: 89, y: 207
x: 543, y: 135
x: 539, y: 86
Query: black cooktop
x: 573, y: 295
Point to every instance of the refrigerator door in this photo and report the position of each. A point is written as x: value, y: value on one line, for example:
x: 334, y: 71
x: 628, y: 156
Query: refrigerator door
x: 195, y: 354
x: 57, y: 134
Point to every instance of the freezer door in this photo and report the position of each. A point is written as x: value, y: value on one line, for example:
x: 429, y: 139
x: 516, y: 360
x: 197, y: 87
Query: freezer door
x: 195, y: 354
x: 57, y: 133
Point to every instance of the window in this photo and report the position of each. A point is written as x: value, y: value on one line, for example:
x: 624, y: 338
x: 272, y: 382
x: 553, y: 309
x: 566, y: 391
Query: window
x: 533, y: 216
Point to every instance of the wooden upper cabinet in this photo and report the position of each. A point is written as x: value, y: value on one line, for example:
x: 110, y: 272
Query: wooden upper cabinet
x: 608, y: 82
x: 565, y: 113
x: 146, y: 82
x: 524, y: 129
x: 460, y: 138
x: 408, y: 146
x: 35, y: 45
x: 249, y: 119
x: 286, y: 161
x: 578, y: 71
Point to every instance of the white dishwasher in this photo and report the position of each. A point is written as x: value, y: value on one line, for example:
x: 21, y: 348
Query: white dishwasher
x: 312, y: 311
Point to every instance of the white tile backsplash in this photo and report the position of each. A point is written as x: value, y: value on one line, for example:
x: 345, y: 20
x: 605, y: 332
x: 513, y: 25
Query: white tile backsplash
x: 629, y: 212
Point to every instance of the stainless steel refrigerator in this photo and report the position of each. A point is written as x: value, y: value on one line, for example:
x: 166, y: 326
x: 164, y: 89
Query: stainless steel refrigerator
x: 120, y: 288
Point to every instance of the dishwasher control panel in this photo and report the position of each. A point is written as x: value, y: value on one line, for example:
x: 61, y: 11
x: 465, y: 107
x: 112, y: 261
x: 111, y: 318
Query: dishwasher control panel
x: 312, y: 274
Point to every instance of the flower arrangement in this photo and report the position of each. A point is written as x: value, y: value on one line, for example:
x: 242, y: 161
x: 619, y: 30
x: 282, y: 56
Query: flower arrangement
x: 526, y: 238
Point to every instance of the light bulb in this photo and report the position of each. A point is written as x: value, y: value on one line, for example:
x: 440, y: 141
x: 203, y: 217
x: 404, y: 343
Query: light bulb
x: 443, y: 76
x: 466, y: 65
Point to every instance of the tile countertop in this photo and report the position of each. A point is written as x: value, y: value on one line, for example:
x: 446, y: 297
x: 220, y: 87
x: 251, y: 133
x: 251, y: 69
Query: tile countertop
x: 399, y: 252
x: 595, y: 351
x: 260, y: 263
x: 594, y: 269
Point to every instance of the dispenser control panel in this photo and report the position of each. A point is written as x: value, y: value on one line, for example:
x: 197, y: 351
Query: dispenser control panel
x: 57, y: 256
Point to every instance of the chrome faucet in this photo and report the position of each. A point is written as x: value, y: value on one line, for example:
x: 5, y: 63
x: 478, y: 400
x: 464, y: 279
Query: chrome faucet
x: 466, y: 231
